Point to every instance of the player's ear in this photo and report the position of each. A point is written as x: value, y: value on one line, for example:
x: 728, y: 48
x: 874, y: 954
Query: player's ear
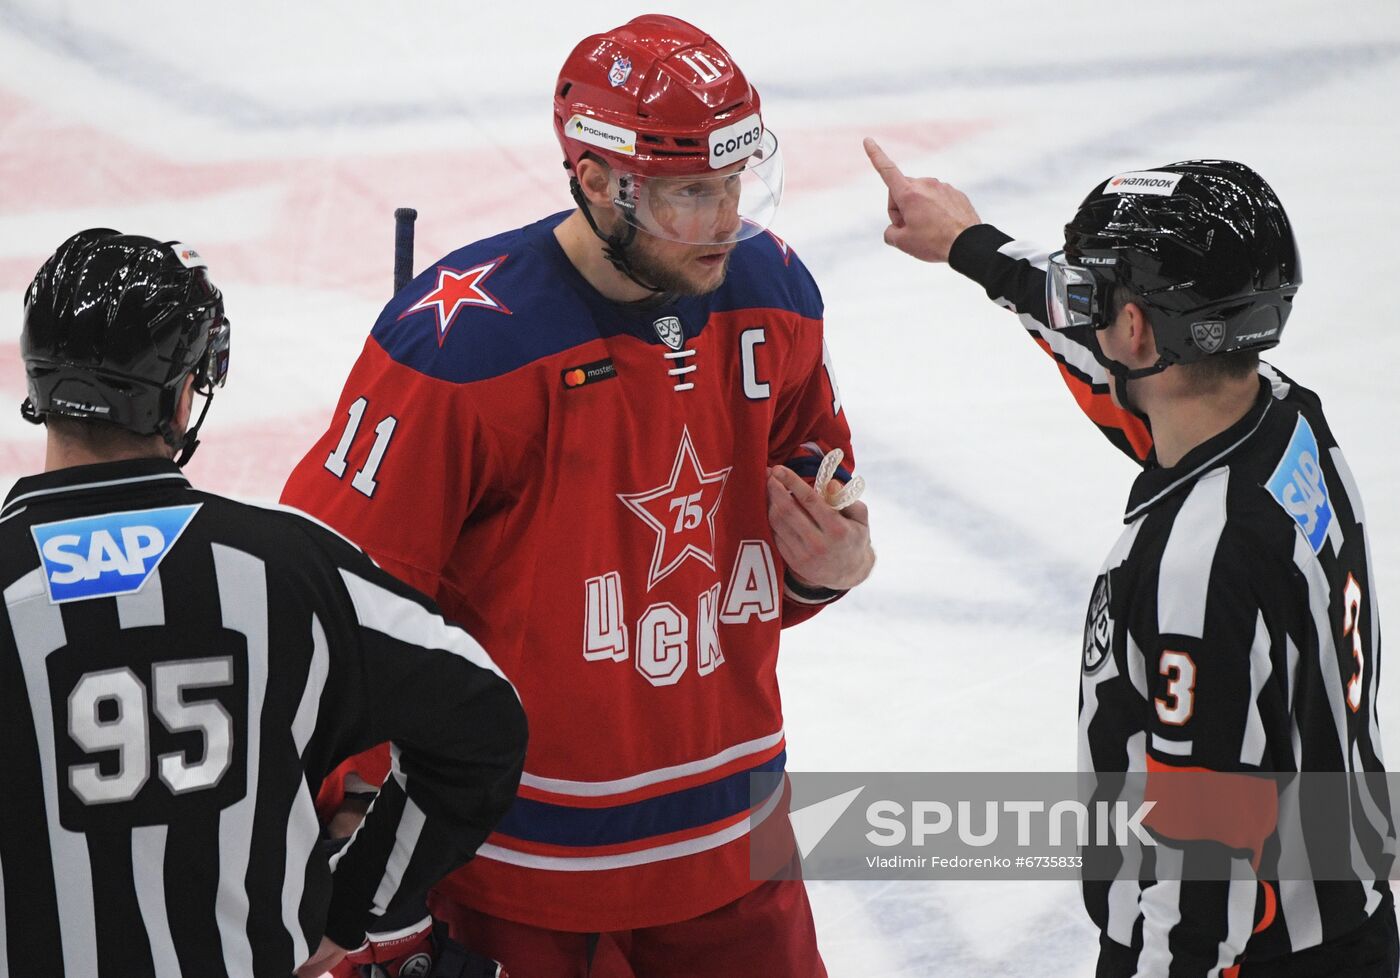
x: 184, y: 406
x: 1142, y: 342
x: 594, y: 177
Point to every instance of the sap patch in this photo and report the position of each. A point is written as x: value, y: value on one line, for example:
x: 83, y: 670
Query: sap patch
x: 1299, y: 487
x: 107, y: 555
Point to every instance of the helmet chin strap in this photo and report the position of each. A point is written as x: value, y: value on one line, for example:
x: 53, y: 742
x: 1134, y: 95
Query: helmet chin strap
x: 186, y: 445
x: 615, y: 245
x: 1122, y: 373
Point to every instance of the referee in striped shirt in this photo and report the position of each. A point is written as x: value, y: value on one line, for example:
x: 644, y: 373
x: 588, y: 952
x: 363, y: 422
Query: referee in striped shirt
x: 1232, y: 630
x: 164, y: 660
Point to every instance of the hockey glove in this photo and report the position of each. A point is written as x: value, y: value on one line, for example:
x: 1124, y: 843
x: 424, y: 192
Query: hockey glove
x: 421, y: 951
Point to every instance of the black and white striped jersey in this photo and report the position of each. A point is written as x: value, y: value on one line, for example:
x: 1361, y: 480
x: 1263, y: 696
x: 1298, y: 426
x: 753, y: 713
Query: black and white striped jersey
x: 1233, y: 628
x: 178, y: 672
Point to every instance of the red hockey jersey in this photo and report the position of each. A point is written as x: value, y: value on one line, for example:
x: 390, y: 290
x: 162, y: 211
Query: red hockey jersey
x: 581, y: 484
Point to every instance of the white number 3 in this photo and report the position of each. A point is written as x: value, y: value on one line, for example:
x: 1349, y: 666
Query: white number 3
x: 1179, y: 703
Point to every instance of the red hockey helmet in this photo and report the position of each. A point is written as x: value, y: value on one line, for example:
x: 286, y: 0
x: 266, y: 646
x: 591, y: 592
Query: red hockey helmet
x: 678, y: 125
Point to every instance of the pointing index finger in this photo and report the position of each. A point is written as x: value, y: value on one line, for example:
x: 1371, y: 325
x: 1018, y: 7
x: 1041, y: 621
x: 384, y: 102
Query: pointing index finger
x: 887, y: 168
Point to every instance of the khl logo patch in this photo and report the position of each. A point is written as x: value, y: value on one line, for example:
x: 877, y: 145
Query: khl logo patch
x: 1299, y: 486
x: 110, y: 554
x: 1098, y: 625
x: 1208, y: 335
x: 668, y: 330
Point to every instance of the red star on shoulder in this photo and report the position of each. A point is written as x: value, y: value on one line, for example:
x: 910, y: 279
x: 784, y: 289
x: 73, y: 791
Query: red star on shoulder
x: 681, y: 511
x: 456, y: 289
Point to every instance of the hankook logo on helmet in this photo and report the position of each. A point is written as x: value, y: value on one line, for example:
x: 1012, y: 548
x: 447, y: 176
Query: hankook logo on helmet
x: 735, y: 142
x: 595, y: 132
x: 1209, y: 335
x: 1153, y: 182
x: 188, y: 256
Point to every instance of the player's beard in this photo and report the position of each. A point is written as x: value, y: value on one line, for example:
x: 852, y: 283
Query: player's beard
x: 676, y: 276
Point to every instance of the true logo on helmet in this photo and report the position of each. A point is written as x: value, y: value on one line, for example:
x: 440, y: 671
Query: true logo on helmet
x: 1153, y: 182
x: 619, y: 73
x: 1209, y: 335
x: 668, y: 329
x: 735, y: 142
x: 595, y: 132
x: 1098, y: 625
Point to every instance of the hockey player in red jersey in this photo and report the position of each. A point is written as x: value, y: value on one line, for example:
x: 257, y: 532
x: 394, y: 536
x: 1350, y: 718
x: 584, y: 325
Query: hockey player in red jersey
x: 593, y: 439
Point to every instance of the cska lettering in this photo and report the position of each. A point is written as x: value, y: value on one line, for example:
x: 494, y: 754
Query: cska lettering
x: 663, y: 632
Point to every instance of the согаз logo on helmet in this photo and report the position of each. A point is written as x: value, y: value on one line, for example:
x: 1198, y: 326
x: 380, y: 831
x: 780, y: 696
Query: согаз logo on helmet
x: 735, y: 142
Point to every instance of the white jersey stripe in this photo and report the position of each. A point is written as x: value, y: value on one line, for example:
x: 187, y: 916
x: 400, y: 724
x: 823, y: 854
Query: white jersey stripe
x: 38, y: 630
x: 674, y: 850
x: 1297, y: 896
x: 1177, y: 748
x: 406, y: 836
x: 382, y: 610
x: 599, y: 789
x: 303, y: 827
x: 148, y: 874
x: 1126, y: 890
x: 242, y: 580
x: 1161, y: 911
x: 145, y: 608
x: 1319, y: 599
x: 304, y: 723
x: 1184, y: 576
x: 1261, y: 666
x: 1295, y: 733
x: 1239, y: 909
x: 97, y: 485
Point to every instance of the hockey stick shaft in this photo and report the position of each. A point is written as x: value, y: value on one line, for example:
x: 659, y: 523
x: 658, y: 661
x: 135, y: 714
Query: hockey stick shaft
x: 403, y: 246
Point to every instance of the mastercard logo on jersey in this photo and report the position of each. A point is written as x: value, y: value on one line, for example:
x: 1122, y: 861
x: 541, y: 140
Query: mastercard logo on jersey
x: 107, y: 555
x: 587, y: 373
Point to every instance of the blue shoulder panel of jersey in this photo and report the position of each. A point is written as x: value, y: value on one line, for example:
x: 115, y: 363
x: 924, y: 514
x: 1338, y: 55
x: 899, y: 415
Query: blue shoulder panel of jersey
x: 764, y: 273
x: 1298, y: 485
x: 109, y: 554
x: 507, y: 301
x: 486, y: 309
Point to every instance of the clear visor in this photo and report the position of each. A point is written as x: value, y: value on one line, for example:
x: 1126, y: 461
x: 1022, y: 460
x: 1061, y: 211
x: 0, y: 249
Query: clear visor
x: 212, y: 370
x: 1071, y: 295
x: 708, y: 208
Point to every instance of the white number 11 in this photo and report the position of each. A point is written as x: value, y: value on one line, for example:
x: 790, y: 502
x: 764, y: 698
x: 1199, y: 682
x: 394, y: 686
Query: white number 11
x: 383, y: 431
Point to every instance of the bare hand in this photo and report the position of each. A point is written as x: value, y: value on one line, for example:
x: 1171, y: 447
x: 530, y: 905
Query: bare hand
x: 926, y: 215
x: 821, y: 546
x: 327, y: 956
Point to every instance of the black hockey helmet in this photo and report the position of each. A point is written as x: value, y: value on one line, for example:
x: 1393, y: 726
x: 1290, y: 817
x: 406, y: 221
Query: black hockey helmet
x: 113, y: 323
x: 1205, y: 245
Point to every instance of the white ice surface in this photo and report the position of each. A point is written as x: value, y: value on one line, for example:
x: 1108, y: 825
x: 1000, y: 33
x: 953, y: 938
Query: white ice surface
x: 278, y: 138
